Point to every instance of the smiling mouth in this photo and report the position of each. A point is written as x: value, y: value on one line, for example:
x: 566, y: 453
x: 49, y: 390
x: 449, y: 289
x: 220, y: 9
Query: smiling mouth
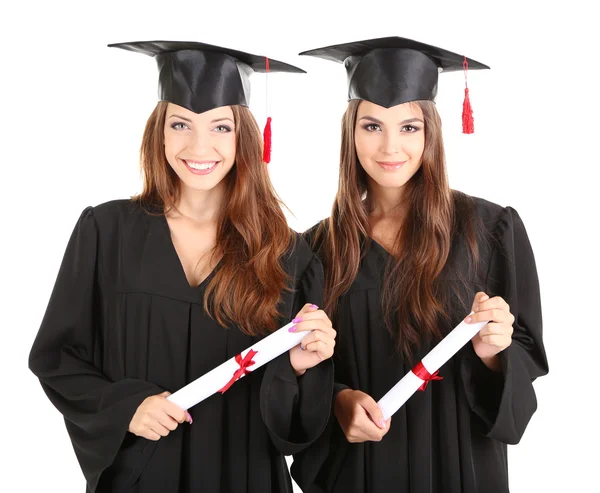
x: 200, y: 167
x: 391, y: 165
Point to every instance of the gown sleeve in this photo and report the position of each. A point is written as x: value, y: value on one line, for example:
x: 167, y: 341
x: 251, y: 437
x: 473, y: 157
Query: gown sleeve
x: 297, y: 409
x: 67, y: 353
x: 506, y: 401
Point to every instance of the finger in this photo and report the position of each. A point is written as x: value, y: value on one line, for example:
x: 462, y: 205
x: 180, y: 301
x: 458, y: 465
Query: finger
x: 501, y: 342
x: 167, y: 421
x: 493, y: 315
x: 307, y: 340
x: 306, y: 309
x: 315, y: 315
x: 324, y: 333
x: 318, y: 324
x: 315, y: 336
x: 305, y: 324
x: 151, y: 435
x: 388, y: 424
x: 497, y: 329
x: 362, y: 426
x: 373, y: 410
x: 175, y: 412
x: 477, y: 299
x: 318, y: 345
x: 165, y: 394
x: 158, y: 428
x: 495, y: 302
x: 366, y: 429
x: 324, y: 351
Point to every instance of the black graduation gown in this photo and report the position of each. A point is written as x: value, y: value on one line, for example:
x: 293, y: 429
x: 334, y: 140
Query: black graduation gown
x: 123, y: 324
x: 452, y: 437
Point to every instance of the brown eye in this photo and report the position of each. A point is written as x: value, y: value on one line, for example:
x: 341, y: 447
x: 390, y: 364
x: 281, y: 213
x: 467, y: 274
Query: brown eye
x: 409, y: 129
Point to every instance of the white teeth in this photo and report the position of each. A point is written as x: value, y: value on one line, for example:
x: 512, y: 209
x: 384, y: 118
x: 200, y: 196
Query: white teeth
x: 201, y: 166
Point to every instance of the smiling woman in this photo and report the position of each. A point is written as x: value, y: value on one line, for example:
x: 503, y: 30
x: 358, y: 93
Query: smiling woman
x: 156, y: 291
x: 389, y: 144
x: 198, y: 144
x: 406, y: 259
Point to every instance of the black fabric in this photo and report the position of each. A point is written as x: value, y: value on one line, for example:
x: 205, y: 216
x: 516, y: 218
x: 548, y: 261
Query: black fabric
x: 452, y: 437
x: 123, y: 324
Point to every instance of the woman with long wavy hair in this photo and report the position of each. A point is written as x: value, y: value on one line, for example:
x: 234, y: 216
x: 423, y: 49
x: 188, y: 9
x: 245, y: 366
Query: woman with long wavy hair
x: 158, y: 290
x: 406, y: 259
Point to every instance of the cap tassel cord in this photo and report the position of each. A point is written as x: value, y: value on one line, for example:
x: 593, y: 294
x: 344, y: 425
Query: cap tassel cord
x: 267, y: 130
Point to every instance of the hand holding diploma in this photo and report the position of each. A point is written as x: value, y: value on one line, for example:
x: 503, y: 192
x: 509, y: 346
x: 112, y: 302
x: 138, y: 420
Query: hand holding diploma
x: 496, y: 336
x: 312, y: 348
x: 489, y: 326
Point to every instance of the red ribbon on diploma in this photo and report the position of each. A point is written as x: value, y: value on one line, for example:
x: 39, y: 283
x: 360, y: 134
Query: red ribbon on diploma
x: 420, y: 371
x: 242, y: 370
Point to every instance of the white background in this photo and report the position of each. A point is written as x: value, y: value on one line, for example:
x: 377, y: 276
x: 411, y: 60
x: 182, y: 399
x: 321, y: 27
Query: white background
x: 73, y: 113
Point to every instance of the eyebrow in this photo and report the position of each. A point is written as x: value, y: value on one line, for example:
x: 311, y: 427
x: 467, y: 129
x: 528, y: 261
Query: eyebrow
x: 190, y: 121
x: 379, y: 122
x: 181, y: 118
x: 222, y: 120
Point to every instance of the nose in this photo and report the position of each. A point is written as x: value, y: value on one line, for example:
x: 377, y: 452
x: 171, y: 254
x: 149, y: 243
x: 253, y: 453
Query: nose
x: 199, y: 142
x: 390, y: 143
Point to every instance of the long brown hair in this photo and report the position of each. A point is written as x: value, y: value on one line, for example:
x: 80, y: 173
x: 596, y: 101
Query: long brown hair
x: 413, y: 303
x: 252, y: 232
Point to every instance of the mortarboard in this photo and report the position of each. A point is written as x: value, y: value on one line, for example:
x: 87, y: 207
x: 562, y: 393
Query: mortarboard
x: 395, y: 70
x: 201, y: 77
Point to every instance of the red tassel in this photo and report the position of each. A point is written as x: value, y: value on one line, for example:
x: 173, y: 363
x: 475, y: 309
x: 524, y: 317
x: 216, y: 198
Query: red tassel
x: 267, y: 142
x: 467, y: 114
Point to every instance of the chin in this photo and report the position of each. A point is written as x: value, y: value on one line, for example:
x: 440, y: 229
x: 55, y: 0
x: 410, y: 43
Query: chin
x: 201, y: 183
x: 389, y: 181
x: 203, y: 187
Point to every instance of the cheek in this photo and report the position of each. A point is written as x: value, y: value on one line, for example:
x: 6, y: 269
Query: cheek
x: 173, y: 145
x: 227, y: 147
x: 366, y: 145
x: 415, y: 147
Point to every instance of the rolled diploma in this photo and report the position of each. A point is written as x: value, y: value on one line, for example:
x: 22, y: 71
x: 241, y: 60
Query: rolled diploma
x: 442, y: 352
x: 266, y: 349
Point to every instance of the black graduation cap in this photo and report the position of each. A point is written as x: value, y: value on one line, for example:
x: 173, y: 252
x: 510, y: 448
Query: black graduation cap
x: 200, y: 76
x: 395, y: 70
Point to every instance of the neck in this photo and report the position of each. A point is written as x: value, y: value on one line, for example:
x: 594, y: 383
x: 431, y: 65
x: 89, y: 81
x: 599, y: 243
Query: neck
x: 201, y: 205
x: 385, y: 202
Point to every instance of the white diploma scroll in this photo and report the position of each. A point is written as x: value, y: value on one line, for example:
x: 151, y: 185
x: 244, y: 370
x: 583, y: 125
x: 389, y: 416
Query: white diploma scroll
x: 428, y: 367
x: 226, y: 374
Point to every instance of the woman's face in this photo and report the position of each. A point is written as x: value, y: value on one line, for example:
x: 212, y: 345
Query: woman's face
x: 200, y: 147
x: 389, y: 142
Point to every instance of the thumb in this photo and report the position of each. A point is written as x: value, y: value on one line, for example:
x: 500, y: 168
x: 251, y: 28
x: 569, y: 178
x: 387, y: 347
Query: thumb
x: 479, y: 298
x: 374, y: 411
x: 165, y: 394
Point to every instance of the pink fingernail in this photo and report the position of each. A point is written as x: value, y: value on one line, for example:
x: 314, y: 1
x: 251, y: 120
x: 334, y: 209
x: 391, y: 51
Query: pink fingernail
x: 468, y: 320
x: 382, y: 423
x: 485, y: 297
x: 292, y: 329
x: 314, y: 306
x: 296, y: 320
x: 190, y: 418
